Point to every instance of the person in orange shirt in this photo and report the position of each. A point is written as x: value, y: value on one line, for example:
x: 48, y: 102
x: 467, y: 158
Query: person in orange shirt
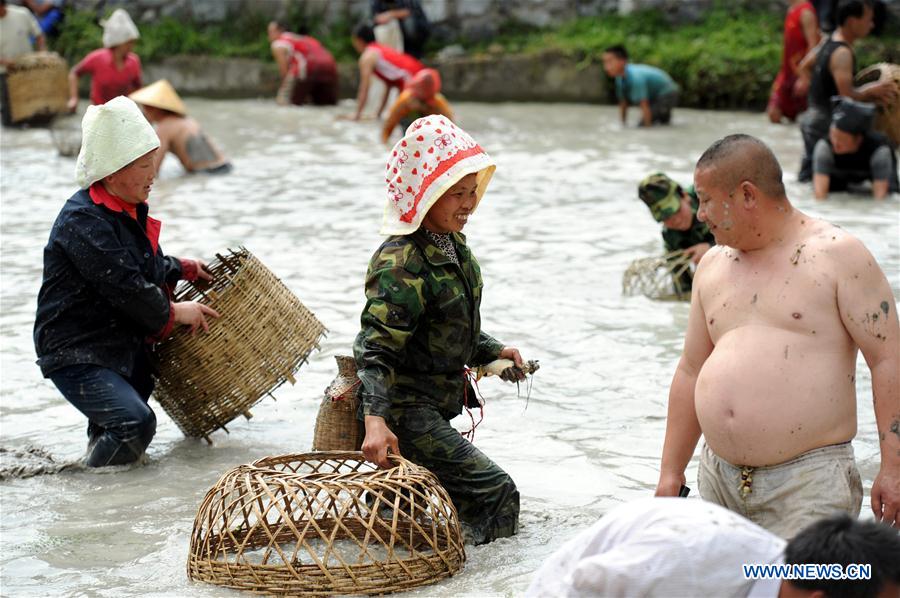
x: 421, y: 97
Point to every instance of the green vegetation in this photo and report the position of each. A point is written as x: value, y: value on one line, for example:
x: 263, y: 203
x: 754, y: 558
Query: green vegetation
x: 727, y: 60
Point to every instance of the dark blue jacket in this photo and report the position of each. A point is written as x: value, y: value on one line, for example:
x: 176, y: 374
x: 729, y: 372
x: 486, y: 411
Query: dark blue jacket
x: 105, y: 290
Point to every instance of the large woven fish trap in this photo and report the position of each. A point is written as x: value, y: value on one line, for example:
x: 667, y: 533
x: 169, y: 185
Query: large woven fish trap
x: 262, y: 337
x: 887, y: 117
x: 337, y: 427
x: 37, y: 86
x: 662, y: 277
x: 322, y: 524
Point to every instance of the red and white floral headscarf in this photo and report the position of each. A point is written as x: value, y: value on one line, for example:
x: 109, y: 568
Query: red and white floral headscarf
x: 433, y: 155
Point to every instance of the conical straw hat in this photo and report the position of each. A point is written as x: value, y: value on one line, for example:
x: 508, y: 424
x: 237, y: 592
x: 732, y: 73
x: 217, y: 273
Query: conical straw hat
x: 160, y: 95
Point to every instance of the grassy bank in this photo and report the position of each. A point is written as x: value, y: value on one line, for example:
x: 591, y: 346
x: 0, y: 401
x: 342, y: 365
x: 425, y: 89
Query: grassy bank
x: 726, y: 61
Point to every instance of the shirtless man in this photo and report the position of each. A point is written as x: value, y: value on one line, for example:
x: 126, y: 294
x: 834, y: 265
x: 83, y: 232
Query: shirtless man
x: 178, y: 133
x: 780, y: 307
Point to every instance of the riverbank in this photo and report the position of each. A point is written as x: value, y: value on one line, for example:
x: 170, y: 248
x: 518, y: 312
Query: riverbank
x: 727, y: 59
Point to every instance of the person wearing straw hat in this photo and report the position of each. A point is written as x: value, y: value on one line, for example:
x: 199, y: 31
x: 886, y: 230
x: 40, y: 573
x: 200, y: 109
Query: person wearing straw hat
x: 178, y: 133
x: 107, y: 286
x: 115, y: 70
x: 421, y: 97
x: 421, y: 328
x: 853, y: 153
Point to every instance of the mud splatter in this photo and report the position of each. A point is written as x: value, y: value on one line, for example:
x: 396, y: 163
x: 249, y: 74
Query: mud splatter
x: 753, y: 301
x: 797, y: 252
x: 786, y: 351
x: 712, y: 321
x: 885, y: 307
x: 895, y: 428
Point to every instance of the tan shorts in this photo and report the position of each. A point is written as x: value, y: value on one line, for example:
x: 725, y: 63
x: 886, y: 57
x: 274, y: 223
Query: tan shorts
x: 787, y: 497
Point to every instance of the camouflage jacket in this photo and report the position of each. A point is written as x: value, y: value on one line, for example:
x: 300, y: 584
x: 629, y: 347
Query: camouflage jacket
x: 420, y: 327
x: 698, y: 233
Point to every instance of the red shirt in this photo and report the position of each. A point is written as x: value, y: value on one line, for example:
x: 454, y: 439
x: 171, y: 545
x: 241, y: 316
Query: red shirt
x: 108, y: 82
x: 393, y: 67
x: 307, y: 55
x: 795, y: 47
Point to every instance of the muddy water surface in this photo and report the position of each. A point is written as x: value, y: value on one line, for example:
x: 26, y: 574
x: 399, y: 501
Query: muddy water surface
x: 555, y: 231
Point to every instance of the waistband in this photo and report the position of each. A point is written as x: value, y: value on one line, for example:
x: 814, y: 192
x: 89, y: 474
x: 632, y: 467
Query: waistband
x: 831, y: 451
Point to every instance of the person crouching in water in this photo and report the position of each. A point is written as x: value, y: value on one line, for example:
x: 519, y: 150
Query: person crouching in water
x: 852, y: 152
x: 107, y: 287
x: 676, y: 208
x: 178, y: 133
x: 421, y: 328
x: 421, y: 97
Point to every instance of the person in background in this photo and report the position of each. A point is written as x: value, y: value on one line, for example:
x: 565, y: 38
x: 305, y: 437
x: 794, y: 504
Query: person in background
x: 420, y: 330
x: 828, y: 71
x: 801, y: 32
x: 17, y: 28
x: 681, y: 547
x: 49, y: 13
x: 115, y: 70
x: 853, y: 153
x: 393, y: 68
x: 107, y: 290
x: 178, y: 133
x: 650, y: 88
x: 308, y: 71
x: 421, y: 97
x: 781, y: 308
x: 409, y: 18
x: 676, y: 208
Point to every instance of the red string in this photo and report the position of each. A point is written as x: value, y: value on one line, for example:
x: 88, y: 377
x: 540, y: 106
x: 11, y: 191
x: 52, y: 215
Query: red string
x: 470, y: 376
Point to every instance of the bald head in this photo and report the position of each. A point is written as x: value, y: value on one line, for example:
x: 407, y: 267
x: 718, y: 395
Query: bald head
x: 740, y: 157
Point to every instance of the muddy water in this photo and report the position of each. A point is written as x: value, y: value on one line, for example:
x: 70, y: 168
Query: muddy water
x: 558, y: 226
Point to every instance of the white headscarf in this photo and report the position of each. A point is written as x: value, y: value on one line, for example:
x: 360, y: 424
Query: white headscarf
x: 114, y: 135
x: 432, y: 157
x: 118, y: 29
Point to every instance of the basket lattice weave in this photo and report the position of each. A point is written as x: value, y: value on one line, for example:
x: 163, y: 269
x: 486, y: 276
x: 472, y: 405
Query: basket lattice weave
x: 887, y: 118
x: 337, y: 427
x: 658, y: 277
x: 262, y: 337
x: 322, y: 524
x: 37, y: 85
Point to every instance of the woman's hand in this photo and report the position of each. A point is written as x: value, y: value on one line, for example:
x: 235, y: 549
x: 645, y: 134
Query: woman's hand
x: 193, y: 314
x: 513, y: 374
x: 379, y: 442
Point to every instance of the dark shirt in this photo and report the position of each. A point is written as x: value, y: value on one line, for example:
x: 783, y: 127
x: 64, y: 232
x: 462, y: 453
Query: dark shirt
x: 104, y: 290
x: 822, y: 85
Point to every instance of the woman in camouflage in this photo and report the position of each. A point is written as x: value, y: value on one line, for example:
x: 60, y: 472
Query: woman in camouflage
x: 421, y: 328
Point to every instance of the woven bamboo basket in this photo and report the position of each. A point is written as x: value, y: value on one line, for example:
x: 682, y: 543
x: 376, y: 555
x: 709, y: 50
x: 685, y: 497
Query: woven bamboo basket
x: 323, y: 524
x: 337, y: 428
x: 262, y: 338
x: 658, y: 277
x: 887, y: 118
x: 37, y: 86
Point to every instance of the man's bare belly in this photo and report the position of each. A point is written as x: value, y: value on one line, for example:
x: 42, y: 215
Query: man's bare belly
x: 766, y: 395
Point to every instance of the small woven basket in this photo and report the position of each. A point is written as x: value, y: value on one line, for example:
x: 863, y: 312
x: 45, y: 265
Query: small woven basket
x: 337, y: 427
x: 658, y: 277
x: 37, y: 86
x: 324, y: 524
x: 887, y: 117
x: 262, y: 338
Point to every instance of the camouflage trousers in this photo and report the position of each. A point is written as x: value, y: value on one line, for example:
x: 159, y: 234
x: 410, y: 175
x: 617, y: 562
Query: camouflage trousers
x: 484, y: 495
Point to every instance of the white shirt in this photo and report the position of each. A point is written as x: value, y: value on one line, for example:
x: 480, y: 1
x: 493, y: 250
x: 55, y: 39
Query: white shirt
x: 16, y: 30
x: 662, y: 547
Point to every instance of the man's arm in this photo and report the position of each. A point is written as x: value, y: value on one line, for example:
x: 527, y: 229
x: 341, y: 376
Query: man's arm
x: 366, y: 68
x: 682, y: 428
x: 868, y: 311
x: 646, y: 113
x: 821, y: 185
x: 810, y: 26
x: 842, y: 70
